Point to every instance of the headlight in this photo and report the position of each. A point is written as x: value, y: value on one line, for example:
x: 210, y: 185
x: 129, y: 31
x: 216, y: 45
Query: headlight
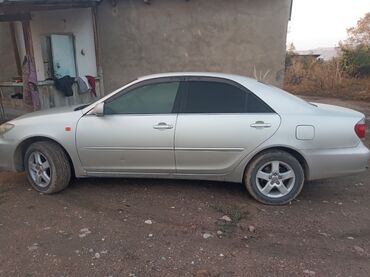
x: 6, y: 127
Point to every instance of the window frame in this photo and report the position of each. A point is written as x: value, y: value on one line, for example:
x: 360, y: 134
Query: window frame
x: 144, y: 83
x: 185, y: 93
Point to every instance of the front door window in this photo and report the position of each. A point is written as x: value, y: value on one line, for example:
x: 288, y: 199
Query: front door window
x: 148, y: 99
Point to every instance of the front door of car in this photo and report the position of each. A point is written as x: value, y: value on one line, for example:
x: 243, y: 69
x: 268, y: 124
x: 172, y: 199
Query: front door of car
x: 135, y: 134
x: 219, y: 124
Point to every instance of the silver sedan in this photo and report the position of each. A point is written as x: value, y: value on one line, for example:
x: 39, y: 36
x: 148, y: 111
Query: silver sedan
x: 190, y: 126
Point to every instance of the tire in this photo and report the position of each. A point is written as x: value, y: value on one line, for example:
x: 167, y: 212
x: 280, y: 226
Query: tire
x: 274, y: 178
x: 47, y: 167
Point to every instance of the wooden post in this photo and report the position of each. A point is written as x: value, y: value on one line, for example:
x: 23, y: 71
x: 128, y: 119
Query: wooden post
x: 27, y: 35
x: 15, y: 48
x: 96, y: 36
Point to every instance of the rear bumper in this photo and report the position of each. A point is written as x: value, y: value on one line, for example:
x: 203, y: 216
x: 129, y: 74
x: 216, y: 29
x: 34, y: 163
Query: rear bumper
x: 327, y: 163
x: 7, y: 149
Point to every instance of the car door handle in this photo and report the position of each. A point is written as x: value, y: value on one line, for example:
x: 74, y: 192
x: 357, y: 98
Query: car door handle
x: 162, y: 126
x: 260, y: 124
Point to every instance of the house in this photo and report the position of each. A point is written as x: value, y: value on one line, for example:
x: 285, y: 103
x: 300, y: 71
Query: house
x: 118, y: 40
x: 304, y: 58
x: 325, y: 53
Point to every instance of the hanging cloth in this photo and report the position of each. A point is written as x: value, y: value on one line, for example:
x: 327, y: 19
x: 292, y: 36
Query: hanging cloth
x: 83, y: 85
x: 64, y: 85
x: 92, y: 84
x: 30, y: 90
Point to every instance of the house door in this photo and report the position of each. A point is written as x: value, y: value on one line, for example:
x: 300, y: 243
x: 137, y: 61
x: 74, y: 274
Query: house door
x: 63, y: 54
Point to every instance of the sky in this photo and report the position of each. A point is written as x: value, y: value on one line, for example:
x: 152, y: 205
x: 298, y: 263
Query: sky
x: 322, y: 23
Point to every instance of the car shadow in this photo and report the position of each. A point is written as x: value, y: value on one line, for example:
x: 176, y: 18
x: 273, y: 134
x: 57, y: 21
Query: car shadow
x: 168, y: 185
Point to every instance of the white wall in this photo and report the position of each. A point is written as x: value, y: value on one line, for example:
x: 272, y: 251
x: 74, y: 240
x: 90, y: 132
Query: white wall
x: 72, y: 21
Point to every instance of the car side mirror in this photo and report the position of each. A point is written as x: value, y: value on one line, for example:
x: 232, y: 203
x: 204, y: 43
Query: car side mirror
x: 98, y: 110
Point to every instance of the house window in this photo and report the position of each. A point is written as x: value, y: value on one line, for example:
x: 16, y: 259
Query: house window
x: 59, y: 57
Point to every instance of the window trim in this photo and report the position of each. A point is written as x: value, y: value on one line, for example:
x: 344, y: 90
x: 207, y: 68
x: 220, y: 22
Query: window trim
x: 144, y: 83
x: 185, y: 92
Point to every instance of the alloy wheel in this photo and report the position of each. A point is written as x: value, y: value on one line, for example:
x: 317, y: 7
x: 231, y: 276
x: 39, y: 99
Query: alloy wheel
x: 275, y: 179
x: 39, y: 169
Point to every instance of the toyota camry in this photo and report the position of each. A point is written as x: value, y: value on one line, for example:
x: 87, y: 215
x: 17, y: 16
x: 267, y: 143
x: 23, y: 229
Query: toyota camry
x: 204, y: 126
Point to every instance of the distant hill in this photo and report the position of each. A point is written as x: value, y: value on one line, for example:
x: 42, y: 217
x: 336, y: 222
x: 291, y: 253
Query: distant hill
x: 326, y: 53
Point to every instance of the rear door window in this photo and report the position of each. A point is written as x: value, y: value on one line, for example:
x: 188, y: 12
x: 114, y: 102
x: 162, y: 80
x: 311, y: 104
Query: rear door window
x: 214, y: 97
x: 221, y: 97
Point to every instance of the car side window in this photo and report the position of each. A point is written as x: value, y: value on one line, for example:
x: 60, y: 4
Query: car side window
x: 256, y: 105
x: 158, y: 98
x: 221, y: 97
x: 214, y: 97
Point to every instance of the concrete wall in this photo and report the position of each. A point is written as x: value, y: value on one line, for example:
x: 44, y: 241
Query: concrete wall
x: 246, y: 37
x: 8, y: 68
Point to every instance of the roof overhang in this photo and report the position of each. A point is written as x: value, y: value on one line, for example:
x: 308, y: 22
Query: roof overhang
x: 25, y: 6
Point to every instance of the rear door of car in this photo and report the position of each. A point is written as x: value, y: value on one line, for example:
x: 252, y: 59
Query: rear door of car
x: 219, y: 123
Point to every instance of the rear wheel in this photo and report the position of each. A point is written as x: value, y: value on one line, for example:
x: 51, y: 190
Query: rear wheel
x: 274, y: 178
x: 47, y: 167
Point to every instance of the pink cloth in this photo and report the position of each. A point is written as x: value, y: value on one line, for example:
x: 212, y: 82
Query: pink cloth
x: 29, y: 78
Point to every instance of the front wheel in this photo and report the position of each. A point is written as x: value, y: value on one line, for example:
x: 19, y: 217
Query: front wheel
x: 274, y: 178
x: 47, y: 167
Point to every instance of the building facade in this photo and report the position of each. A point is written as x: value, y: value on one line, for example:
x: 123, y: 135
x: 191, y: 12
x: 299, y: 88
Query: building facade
x: 117, y: 41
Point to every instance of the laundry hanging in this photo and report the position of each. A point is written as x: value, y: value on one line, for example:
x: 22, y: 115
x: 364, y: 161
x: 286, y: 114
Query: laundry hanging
x: 64, y: 85
x: 92, y: 83
x: 30, y: 90
x: 83, y: 85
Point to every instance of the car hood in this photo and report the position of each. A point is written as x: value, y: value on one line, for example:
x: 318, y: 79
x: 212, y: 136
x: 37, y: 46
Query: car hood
x: 331, y: 109
x: 48, y: 112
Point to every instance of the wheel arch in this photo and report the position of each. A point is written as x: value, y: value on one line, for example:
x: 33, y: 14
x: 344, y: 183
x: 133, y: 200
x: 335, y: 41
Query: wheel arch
x: 22, y: 147
x: 296, y: 154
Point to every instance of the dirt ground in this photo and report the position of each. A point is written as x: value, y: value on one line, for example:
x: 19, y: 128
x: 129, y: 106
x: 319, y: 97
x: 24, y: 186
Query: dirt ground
x: 127, y: 227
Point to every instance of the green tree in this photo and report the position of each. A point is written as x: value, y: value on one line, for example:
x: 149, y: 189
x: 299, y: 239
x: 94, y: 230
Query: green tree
x: 360, y: 35
x: 355, y: 58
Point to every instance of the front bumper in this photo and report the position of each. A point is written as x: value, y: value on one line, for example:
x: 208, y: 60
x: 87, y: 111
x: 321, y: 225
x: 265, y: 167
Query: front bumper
x: 7, y: 149
x: 327, y: 163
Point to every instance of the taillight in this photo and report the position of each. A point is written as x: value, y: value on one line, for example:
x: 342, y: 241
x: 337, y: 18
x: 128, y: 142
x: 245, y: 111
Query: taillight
x: 360, y: 129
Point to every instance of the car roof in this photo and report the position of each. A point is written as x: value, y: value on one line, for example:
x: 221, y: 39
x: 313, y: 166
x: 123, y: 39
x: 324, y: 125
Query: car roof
x: 279, y: 100
x: 233, y: 77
